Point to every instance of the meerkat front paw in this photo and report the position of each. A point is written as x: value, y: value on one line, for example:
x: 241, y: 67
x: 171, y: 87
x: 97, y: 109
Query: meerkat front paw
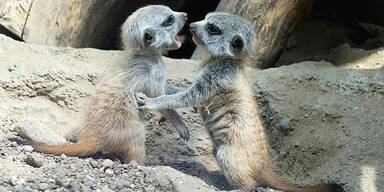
x: 141, y: 100
x: 144, y: 102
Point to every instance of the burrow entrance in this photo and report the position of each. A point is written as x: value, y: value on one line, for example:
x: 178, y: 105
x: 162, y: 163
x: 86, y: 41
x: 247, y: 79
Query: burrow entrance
x: 331, y: 24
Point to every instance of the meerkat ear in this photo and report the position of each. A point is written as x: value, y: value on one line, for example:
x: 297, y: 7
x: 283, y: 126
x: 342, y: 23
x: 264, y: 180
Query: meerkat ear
x: 237, y: 43
x: 149, y: 37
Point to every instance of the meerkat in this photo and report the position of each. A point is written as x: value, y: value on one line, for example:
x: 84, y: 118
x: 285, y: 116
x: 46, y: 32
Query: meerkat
x: 226, y: 104
x: 112, y: 122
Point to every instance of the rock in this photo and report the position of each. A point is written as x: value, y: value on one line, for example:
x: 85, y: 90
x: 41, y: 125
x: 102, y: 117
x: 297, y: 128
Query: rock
x: 94, y: 163
x: 13, y: 180
x: 91, y: 179
x: 109, y: 172
x: 27, y: 148
x: 43, y: 186
x: 119, y: 186
x: 77, y: 23
x: 14, y: 144
x: 133, y: 164
x: 72, y: 167
x: 333, y: 109
x: 285, y: 126
x: 34, y: 130
x: 107, y: 163
x: 14, y: 14
x: 169, y: 179
x: 63, y: 156
x: 32, y: 161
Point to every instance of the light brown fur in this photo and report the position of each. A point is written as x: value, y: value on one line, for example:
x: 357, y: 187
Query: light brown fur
x: 112, y: 122
x: 227, y: 105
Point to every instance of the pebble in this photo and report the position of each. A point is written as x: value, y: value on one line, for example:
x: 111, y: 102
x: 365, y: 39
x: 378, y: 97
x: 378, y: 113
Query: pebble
x: 133, y: 164
x: 72, y: 167
x: 13, y: 180
x: 43, y: 186
x: 13, y: 144
x: 27, y: 148
x: 119, y: 186
x: 109, y: 171
x: 63, y: 156
x: 149, y: 189
x: 27, y: 188
x: 94, y: 164
x: 30, y: 160
x: 90, y: 178
x: 74, y: 186
x: 284, y: 125
x: 107, y: 163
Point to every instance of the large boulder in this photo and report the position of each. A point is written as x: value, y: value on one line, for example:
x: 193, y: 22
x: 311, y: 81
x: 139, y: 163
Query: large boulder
x: 73, y: 23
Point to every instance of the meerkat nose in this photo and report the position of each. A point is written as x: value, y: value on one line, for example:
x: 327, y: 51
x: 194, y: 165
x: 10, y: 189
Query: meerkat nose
x: 192, y: 27
x: 185, y: 16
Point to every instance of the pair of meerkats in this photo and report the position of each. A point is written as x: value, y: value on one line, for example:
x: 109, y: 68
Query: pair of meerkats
x: 221, y: 91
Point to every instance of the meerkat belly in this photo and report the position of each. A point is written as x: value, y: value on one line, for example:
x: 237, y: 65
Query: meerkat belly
x: 231, y: 117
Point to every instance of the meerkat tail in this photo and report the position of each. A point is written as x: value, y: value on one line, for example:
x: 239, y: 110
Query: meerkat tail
x: 84, y: 147
x: 276, y: 182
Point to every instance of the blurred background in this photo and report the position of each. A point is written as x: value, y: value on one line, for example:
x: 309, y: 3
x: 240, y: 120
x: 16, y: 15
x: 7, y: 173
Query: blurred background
x: 287, y: 31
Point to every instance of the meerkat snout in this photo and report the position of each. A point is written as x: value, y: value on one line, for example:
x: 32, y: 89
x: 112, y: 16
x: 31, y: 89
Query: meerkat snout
x: 185, y: 15
x: 192, y: 27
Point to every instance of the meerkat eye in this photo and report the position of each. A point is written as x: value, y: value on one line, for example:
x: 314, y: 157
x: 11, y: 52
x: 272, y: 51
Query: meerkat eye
x: 169, y: 21
x: 213, y: 30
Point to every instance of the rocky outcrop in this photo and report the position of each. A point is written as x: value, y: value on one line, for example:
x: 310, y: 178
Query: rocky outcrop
x: 324, y: 124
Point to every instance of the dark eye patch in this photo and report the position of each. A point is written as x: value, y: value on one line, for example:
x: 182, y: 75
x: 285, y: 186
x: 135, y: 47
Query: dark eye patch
x: 213, y: 30
x: 169, y: 21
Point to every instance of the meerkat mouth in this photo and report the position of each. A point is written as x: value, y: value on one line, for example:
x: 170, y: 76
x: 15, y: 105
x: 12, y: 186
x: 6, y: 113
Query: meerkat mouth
x: 178, y: 42
x: 196, y: 39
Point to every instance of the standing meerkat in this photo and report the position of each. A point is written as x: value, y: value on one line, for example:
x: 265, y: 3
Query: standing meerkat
x: 227, y: 106
x: 112, y: 122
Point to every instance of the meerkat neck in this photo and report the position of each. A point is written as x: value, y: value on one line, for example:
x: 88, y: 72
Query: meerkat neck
x: 145, y: 53
x: 223, y: 61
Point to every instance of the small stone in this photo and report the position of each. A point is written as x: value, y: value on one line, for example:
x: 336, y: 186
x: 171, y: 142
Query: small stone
x: 107, y: 163
x: 109, y: 171
x: 63, y: 156
x: 13, y: 180
x: 285, y: 126
x: 13, y: 144
x: 149, y: 189
x: 119, y: 186
x: 27, y: 148
x: 60, y: 182
x: 94, y: 164
x: 90, y: 178
x: 74, y: 186
x: 133, y: 164
x: 72, y: 167
x: 30, y: 160
x: 43, y: 186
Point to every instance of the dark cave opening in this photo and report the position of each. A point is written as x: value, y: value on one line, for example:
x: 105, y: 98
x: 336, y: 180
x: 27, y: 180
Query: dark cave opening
x: 333, y: 23
x: 195, y: 12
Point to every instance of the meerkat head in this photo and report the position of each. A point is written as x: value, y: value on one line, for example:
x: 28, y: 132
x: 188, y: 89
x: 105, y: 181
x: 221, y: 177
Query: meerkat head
x: 223, y: 34
x: 153, y: 26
